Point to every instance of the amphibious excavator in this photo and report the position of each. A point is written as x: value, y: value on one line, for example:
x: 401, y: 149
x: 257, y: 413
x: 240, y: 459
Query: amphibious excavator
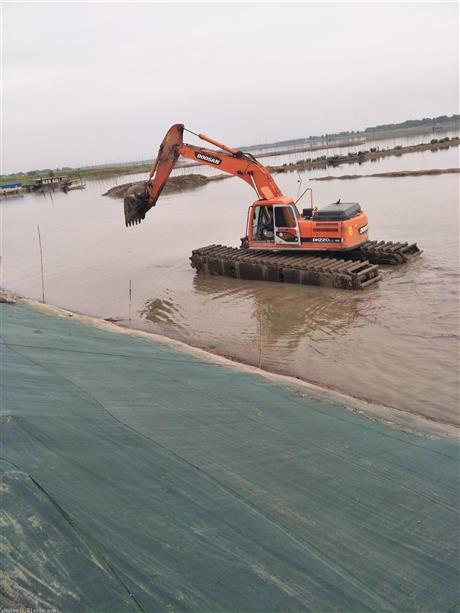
x: 328, y: 246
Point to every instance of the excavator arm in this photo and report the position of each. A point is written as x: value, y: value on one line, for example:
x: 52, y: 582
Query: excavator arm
x: 229, y: 160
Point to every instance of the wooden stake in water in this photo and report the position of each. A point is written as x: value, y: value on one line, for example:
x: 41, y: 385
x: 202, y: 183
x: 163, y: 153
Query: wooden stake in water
x: 41, y: 263
x: 260, y: 340
x: 129, y: 310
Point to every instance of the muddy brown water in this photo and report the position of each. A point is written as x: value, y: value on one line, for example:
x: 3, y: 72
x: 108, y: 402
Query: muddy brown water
x: 394, y: 344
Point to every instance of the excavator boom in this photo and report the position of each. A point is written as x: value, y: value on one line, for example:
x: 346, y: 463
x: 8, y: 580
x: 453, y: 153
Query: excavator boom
x: 225, y: 158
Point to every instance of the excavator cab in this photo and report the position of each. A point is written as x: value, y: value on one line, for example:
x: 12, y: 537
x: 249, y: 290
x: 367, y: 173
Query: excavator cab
x: 274, y: 223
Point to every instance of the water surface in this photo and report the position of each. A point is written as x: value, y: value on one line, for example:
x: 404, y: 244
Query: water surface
x: 395, y: 343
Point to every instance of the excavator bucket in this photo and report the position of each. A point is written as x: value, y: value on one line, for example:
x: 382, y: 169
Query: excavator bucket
x: 135, y: 208
x: 137, y: 205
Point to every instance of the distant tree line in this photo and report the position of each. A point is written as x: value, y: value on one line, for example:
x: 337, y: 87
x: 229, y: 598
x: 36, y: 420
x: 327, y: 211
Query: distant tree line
x: 414, y: 123
x: 409, y: 123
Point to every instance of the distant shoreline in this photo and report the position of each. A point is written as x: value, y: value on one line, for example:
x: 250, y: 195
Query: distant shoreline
x: 318, y: 163
x: 194, y: 180
x: 363, y: 156
x: 434, y: 126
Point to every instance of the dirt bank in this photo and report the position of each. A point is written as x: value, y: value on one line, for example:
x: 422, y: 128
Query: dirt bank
x: 402, y: 173
x: 174, y: 184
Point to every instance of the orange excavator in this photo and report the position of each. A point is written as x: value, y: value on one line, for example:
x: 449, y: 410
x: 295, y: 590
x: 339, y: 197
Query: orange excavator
x: 274, y: 223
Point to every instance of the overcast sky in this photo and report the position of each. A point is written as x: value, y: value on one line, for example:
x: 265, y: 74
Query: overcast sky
x: 87, y: 83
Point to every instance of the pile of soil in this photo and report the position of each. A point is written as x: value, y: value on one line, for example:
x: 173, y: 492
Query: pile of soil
x: 174, y: 184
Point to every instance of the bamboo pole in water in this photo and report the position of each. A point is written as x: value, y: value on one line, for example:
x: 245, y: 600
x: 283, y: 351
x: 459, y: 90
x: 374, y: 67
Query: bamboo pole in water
x: 260, y: 340
x: 41, y: 263
x: 129, y: 308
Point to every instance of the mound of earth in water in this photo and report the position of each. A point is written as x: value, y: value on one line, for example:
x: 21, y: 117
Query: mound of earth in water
x: 399, y: 173
x: 174, y: 184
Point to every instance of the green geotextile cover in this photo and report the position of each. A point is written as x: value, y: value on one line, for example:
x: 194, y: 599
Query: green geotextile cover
x: 139, y: 477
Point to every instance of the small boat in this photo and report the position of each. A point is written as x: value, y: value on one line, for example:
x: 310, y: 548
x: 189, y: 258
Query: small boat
x: 8, y: 189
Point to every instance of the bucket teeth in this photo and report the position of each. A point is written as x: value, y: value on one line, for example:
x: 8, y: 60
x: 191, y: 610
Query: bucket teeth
x: 135, y: 209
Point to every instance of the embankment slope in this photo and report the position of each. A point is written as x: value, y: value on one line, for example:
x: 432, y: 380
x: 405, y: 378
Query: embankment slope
x: 170, y: 475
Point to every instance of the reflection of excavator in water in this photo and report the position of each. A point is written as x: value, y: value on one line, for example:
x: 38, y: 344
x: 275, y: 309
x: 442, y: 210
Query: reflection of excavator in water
x: 328, y: 246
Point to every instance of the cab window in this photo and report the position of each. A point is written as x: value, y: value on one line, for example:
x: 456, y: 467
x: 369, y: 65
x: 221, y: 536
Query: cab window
x: 284, y: 217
